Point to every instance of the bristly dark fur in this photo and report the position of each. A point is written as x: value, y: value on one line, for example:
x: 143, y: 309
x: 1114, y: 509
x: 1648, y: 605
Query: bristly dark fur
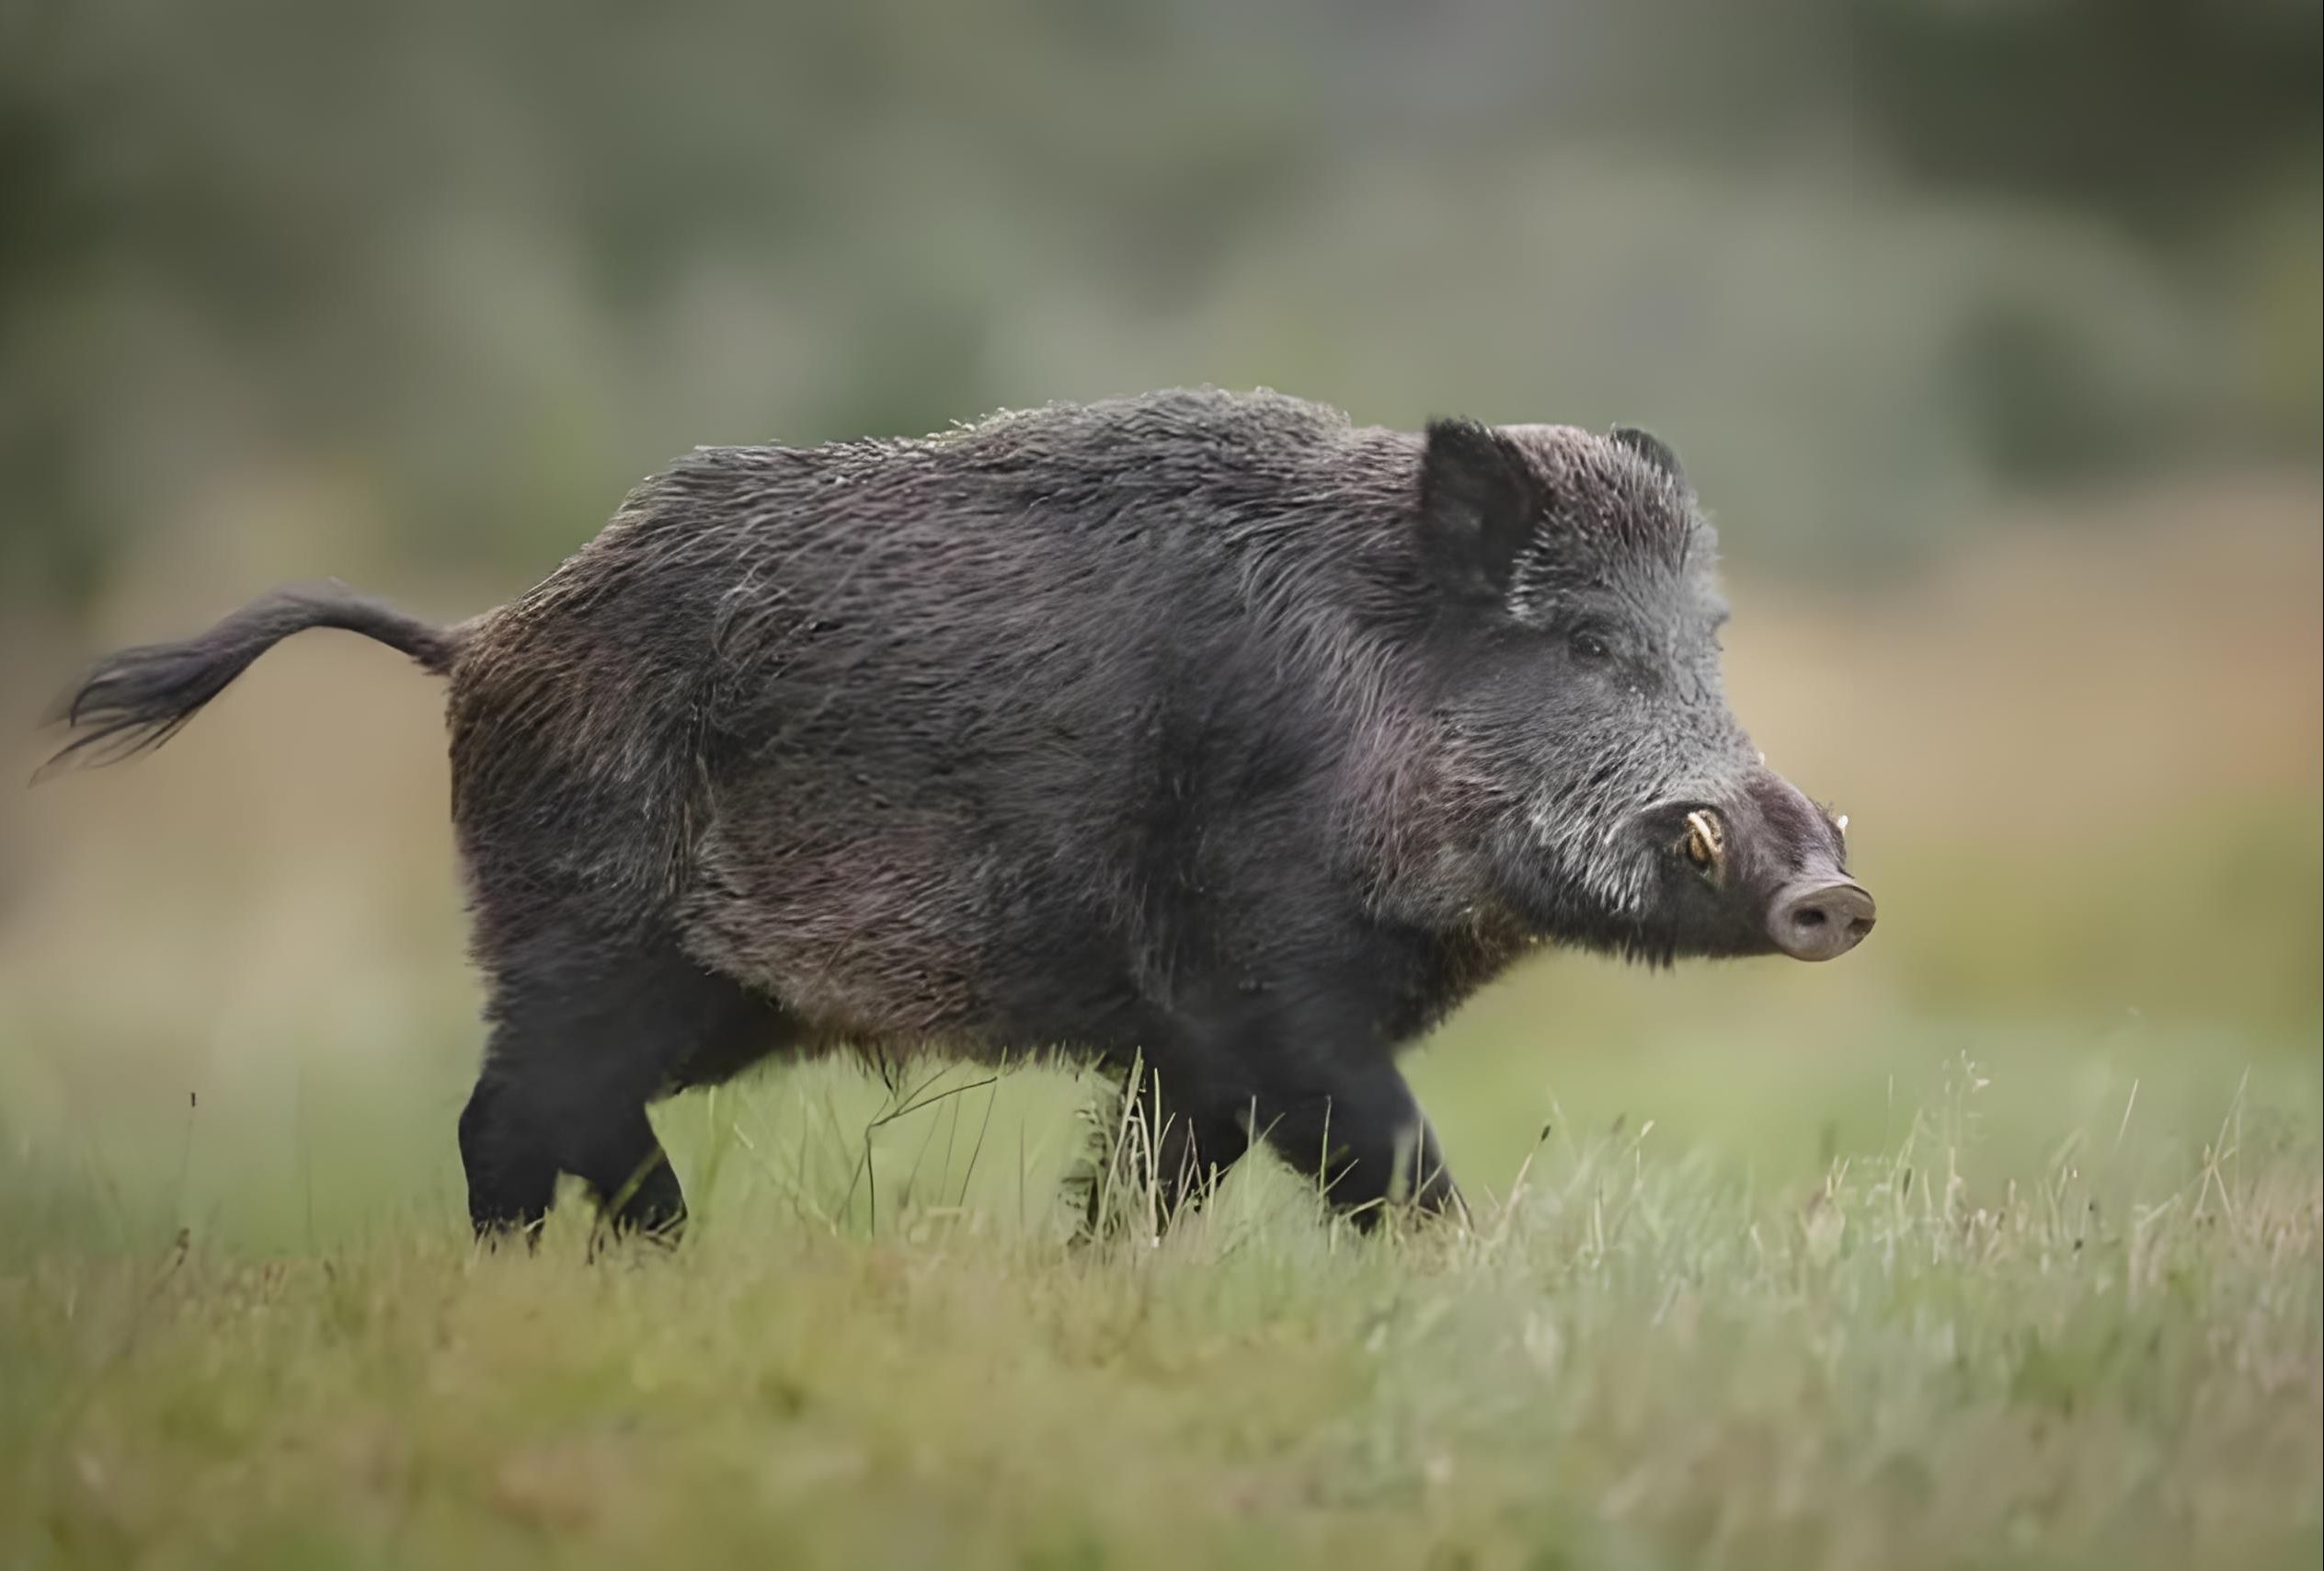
x: 1208, y: 733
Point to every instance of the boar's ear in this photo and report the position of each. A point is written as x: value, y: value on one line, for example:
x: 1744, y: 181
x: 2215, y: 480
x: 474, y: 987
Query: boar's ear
x: 1479, y: 503
x: 1651, y: 448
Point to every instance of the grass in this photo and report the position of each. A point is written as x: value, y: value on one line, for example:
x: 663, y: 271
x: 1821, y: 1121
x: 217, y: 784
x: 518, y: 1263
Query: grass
x: 2022, y: 1332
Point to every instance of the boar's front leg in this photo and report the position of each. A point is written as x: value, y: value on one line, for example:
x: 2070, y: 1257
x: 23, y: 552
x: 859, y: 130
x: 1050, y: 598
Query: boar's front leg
x: 1356, y: 1129
x: 1316, y: 1087
x: 1174, y: 1132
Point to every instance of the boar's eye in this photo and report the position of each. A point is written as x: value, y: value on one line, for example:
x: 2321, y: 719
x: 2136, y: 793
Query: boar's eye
x: 1588, y: 644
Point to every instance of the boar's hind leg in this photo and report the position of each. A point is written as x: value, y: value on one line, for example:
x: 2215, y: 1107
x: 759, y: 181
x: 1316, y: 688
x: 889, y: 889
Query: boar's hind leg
x: 582, y: 1041
x: 511, y: 1177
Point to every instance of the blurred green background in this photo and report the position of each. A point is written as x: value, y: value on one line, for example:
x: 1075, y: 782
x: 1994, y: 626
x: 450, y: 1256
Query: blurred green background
x: 1990, y: 332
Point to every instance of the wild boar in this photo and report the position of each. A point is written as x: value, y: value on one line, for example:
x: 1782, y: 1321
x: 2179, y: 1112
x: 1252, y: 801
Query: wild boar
x: 1210, y: 732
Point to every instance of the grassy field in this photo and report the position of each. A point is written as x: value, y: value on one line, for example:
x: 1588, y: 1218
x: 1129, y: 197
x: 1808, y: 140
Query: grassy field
x: 1934, y: 1354
x: 2000, y: 1242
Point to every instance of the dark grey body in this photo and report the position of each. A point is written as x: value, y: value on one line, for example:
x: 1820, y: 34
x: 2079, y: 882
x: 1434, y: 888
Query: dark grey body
x: 1207, y: 731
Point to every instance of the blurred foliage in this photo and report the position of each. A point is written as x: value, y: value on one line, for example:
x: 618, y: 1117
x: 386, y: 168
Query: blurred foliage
x: 2165, y: 114
x: 486, y: 266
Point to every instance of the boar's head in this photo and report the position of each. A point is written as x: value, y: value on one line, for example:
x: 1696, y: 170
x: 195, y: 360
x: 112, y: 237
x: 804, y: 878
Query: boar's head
x: 1612, y: 798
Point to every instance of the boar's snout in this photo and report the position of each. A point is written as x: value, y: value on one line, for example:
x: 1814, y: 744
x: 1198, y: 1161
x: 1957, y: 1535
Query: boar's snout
x: 1820, y: 920
x: 1811, y: 909
x: 1759, y: 869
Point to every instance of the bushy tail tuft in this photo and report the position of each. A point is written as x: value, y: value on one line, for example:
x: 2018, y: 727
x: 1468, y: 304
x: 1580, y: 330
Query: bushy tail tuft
x: 136, y: 700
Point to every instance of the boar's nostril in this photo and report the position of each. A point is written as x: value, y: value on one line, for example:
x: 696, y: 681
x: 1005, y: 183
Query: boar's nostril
x: 1820, y: 922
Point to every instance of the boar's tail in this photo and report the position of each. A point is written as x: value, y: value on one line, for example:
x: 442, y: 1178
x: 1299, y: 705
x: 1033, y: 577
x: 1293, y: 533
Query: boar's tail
x: 136, y: 700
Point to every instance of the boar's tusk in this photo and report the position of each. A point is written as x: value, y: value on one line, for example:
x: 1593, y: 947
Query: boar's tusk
x: 1706, y: 847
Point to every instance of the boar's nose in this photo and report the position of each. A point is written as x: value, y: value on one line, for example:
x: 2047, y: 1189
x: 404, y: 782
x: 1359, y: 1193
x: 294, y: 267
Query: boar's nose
x: 1820, y: 920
